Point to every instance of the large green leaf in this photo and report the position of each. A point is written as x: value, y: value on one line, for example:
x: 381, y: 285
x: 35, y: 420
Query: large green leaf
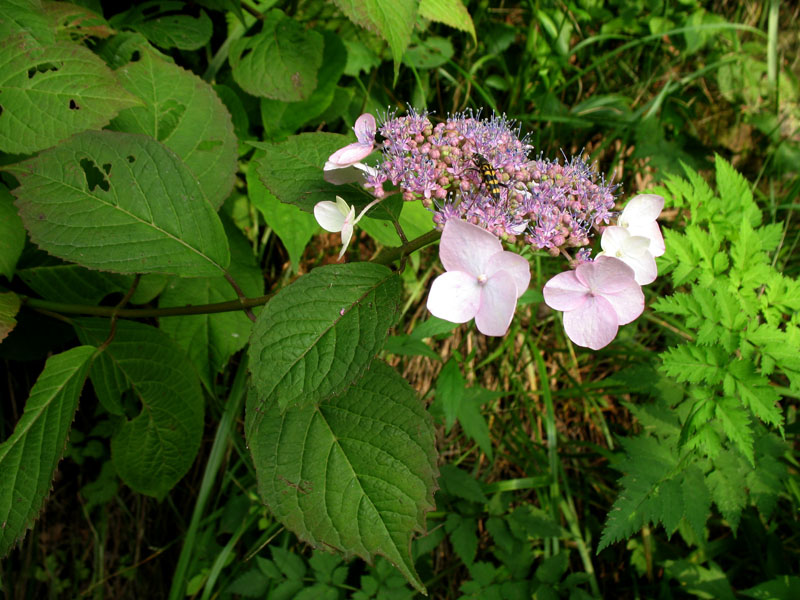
x: 51, y: 92
x: 280, y: 62
x: 393, y: 21
x: 292, y: 170
x: 120, y: 202
x: 154, y: 449
x: 184, y: 113
x: 211, y: 339
x: 29, y: 457
x: 319, y: 334
x: 163, y: 24
x: 25, y: 16
x: 293, y: 226
x: 449, y: 12
x: 12, y: 234
x: 356, y: 473
x: 284, y: 118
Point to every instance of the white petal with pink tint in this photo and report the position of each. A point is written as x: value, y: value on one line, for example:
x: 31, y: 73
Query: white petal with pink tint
x: 593, y: 325
x: 564, y: 292
x: 498, y: 302
x: 467, y: 247
x: 365, y: 128
x: 517, y: 267
x: 455, y: 296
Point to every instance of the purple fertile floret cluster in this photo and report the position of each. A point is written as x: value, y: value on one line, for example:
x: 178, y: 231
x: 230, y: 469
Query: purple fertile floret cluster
x: 544, y: 203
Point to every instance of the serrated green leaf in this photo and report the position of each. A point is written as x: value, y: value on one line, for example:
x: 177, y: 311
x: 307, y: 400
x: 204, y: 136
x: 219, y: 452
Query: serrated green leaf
x: 161, y: 23
x: 30, y: 455
x: 12, y: 234
x: 461, y: 484
x: 735, y: 192
x: 280, y: 62
x: 9, y: 307
x: 317, y: 336
x: 463, y: 536
x: 211, y: 339
x: 735, y: 422
x: 699, y: 581
x: 71, y: 21
x: 153, y: 450
x: 695, y: 364
x: 696, y: 499
x: 648, y: 463
x: 25, y: 16
x: 120, y: 202
x: 73, y: 284
x: 356, y: 472
x: 393, y: 21
x: 183, y: 112
x: 281, y: 119
x: 52, y: 92
x: 449, y: 12
x: 293, y: 226
x: 755, y: 392
x: 473, y: 422
x: 292, y: 171
x: 450, y: 386
x: 727, y: 485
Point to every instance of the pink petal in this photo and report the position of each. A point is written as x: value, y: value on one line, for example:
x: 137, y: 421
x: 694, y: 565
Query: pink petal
x: 565, y: 292
x: 514, y: 265
x: 365, y: 128
x: 593, y: 325
x: 467, y: 247
x: 628, y: 303
x: 605, y: 275
x: 352, y: 153
x: 455, y: 296
x: 498, y: 302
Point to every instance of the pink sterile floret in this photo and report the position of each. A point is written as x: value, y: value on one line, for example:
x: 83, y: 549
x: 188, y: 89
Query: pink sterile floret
x: 597, y: 297
x: 482, y: 281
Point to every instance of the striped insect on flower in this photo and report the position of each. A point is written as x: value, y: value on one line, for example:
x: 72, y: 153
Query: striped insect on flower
x: 488, y: 175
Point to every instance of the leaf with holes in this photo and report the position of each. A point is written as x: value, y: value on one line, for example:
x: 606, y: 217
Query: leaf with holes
x: 52, y: 92
x: 184, y: 113
x: 29, y: 457
x: 156, y: 446
x: 318, y: 335
x: 120, y: 202
x: 356, y: 473
x: 280, y: 62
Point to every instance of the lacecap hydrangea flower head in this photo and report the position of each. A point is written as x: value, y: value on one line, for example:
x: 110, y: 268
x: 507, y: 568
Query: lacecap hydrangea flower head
x: 476, y: 176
